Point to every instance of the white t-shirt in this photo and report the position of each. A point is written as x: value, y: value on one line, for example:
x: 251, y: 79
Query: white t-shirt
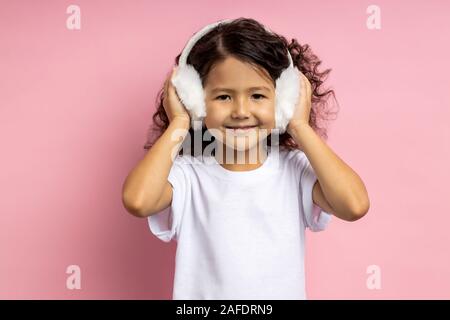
x: 240, y: 234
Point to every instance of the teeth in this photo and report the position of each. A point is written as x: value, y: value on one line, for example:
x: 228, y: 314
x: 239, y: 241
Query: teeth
x: 242, y: 127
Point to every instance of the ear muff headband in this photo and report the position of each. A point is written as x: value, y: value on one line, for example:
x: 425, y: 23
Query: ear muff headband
x: 187, y: 83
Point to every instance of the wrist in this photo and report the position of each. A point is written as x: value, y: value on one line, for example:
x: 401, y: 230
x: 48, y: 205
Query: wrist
x: 299, y: 132
x: 181, y: 122
x: 294, y: 126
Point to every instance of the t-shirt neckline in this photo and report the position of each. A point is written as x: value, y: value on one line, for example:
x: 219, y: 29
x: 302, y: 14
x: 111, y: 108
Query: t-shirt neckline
x: 221, y: 171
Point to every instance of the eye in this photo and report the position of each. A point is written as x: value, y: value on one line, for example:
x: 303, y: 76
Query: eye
x: 258, y: 95
x: 224, y: 95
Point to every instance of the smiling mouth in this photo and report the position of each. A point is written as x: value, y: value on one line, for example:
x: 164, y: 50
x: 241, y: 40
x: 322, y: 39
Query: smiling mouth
x: 240, y: 131
x: 241, y: 128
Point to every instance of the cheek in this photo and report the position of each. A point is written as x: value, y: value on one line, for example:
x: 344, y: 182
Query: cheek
x: 267, y: 115
x: 214, y: 116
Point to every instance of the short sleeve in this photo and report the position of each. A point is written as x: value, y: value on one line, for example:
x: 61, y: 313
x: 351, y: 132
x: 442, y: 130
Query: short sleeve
x: 314, y: 217
x: 166, y: 224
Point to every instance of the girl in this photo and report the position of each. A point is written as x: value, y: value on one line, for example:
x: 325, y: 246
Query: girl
x: 240, y: 225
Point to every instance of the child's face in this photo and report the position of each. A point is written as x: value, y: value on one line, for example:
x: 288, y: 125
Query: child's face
x: 241, y: 106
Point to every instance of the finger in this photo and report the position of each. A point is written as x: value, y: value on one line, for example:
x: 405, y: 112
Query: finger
x: 167, y: 83
x: 165, y: 87
x: 307, y: 86
x: 303, y: 85
x: 172, y: 92
x: 169, y: 79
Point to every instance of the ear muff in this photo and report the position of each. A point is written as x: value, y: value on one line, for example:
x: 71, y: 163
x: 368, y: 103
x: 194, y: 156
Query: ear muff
x: 189, y: 88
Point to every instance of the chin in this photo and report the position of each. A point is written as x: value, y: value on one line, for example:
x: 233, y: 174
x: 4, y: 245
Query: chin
x: 243, y: 143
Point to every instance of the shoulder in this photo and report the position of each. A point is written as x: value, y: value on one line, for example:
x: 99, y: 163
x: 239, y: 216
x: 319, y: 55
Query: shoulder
x: 186, y: 159
x: 293, y: 156
x: 187, y: 164
x: 182, y: 169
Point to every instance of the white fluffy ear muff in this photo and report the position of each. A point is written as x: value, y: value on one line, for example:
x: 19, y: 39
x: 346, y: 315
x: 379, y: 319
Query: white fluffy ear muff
x: 189, y: 87
x: 287, y: 92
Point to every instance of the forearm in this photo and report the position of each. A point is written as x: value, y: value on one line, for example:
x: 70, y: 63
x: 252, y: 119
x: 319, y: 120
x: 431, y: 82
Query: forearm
x: 342, y: 187
x: 148, y: 178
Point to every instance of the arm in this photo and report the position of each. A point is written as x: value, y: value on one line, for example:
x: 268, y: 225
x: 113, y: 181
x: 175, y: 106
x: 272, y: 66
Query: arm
x: 146, y: 190
x: 339, y: 189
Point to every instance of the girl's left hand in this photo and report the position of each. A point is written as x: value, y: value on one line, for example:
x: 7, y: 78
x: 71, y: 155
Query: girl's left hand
x: 303, y: 107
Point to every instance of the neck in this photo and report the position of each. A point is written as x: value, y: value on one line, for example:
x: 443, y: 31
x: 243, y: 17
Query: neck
x: 245, y: 160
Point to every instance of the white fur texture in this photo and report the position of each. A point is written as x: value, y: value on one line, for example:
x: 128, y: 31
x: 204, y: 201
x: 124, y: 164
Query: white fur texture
x: 190, y: 91
x: 287, y: 93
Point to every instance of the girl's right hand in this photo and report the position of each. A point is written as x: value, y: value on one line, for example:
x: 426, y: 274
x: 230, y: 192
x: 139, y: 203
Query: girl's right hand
x: 171, y: 102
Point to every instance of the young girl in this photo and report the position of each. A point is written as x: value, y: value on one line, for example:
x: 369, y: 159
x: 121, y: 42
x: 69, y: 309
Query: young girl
x: 240, y: 225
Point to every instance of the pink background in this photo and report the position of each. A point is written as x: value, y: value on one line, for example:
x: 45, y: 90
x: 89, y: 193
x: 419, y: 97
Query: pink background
x: 75, y: 106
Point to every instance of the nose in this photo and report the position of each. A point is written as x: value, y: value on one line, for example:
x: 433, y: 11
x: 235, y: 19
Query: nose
x: 240, y: 110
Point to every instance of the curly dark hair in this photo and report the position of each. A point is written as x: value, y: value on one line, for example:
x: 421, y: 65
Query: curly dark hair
x: 247, y: 40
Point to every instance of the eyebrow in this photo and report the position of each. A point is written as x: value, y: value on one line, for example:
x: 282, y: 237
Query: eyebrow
x: 249, y: 89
